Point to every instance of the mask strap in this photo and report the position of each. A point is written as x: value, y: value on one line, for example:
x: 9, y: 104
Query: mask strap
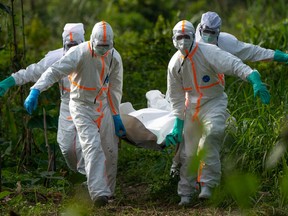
x: 185, y: 58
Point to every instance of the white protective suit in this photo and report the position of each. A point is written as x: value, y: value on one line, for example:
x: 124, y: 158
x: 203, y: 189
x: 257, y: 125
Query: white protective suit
x: 66, y: 135
x: 204, y: 115
x: 96, y: 91
x: 229, y: 43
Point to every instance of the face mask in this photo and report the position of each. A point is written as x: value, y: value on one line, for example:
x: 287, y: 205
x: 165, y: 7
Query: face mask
x: 101, y: 50
x: 184, y: 44
x: 208, y: 38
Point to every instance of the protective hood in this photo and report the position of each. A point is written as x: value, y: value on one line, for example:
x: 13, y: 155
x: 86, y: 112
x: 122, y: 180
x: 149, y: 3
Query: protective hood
x: 102, y: 37
x: 211, y: 20
x: 181, y: 30
x: 73, y: 33
x: 210, y: 27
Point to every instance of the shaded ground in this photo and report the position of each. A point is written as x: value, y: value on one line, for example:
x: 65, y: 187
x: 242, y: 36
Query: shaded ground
x: 143, y: 188
x: 131, y: 200
x: 135, y: 200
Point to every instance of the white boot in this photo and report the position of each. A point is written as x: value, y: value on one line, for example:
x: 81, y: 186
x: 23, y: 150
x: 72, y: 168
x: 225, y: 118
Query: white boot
x: 206, y: 193
x: 185, y: 200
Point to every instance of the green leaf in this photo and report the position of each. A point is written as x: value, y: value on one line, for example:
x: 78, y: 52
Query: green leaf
x: 3, y: 194
x: 242, y: 186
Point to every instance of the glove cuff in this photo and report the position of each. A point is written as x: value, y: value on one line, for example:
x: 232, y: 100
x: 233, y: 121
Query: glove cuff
x: 116, y: 117
x: 280, y: 56
x: 178, y: 124
x: 10, y: 81
x: 254, y: 77
x: 35, y: 92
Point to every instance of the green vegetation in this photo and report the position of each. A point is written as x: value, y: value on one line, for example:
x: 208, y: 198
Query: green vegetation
x: 254, y: 158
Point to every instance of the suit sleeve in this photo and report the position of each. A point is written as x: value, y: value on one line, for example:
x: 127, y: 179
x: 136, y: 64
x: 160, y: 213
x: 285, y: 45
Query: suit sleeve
x: 244, y: 51
x: 34, y: 71
x: 175, y: 89
x: 61, y: 68
x: 115, y: 84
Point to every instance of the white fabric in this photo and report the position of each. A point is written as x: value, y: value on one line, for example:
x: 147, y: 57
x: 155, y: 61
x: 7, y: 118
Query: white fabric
x: 211, y: 20
x: 157, y: 118
x: 126, y: 108
x: 33, y: 72
x: 244, y: 51
x: 93, y: 83
x: 87, y: 86
x: 66, y: 133
x: 68, y: 140
x: 206, y: 193
x: 102, y: 34
x: 159, y: 122
x: 73, y: 32
x: 183, y: 28
x: 201, y: 81
x: 109, y: 143
x: 138, y: 135
x: 71, y: 149
x: 157, y: 100
x: 84, y: 118
x: 230, y: 124
x: 206, y: 134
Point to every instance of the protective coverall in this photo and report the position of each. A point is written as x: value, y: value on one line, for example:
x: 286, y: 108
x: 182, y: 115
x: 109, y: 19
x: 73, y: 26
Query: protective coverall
x: 195, y: 78
x: 66, y: 135
x: 228, y: 43
x: 96, y: 91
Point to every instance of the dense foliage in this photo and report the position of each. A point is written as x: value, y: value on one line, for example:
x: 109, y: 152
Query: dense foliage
x: 254, y: 158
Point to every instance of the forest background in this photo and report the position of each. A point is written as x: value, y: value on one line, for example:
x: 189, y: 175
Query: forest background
x: 34, y: 177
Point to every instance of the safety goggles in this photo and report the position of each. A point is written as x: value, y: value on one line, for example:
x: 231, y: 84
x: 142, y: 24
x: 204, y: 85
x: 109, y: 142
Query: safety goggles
x: 210, y: 31
x: 70, y: 44
x: 182, y: 36
x: 102, y: 45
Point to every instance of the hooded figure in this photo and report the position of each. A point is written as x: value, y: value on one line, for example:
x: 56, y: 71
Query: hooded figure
x: 208, y: 31
x: 73, y: 34
x: 96, y: 77
x: 196, y: 92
